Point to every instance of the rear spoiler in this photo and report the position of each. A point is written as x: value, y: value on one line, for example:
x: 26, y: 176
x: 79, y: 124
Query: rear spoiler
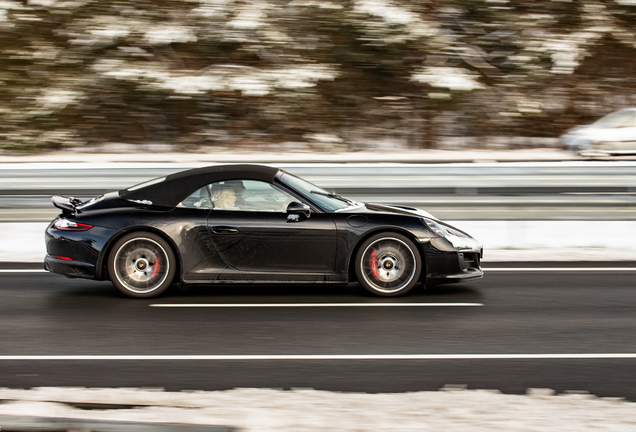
x: 68, y: 205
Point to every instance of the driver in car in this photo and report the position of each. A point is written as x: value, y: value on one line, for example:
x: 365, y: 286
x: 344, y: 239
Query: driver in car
x: 229, y: 195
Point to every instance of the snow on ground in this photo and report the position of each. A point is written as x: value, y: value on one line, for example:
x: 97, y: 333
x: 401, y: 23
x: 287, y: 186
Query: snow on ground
x: 304, y: 410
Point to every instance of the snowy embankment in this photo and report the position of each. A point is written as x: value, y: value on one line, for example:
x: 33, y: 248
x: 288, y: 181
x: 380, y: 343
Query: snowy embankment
x: 300, y: 410
x: 503, y: 240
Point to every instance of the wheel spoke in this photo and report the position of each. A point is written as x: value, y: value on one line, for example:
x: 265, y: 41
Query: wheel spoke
x: 388, y: 265
x: 138, y: 265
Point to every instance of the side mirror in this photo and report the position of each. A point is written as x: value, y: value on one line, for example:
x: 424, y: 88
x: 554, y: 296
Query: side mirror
x: 299, y: 210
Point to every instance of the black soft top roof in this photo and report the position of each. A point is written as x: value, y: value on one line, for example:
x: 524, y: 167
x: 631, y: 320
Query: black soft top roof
x: 177, y: 187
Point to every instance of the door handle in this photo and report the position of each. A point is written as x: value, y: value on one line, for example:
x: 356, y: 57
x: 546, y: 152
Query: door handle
x: 224, y: 230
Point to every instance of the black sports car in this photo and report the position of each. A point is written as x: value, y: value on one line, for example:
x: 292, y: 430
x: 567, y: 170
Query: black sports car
x: 251, y: 223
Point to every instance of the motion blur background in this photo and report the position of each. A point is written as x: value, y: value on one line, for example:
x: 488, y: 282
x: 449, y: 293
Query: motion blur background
x: 453, y: 106
x: 309, y: 74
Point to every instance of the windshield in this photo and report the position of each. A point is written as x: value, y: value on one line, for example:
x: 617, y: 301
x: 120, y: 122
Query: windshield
x: 617, y: 120
x: 325, y: 199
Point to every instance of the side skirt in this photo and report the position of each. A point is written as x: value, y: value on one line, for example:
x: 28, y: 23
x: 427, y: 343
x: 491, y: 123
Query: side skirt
x: 264, y: 282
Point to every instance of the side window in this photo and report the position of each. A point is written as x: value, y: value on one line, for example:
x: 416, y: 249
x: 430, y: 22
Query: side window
x: 249, y: 195
x: 245, y: 195
x: 200, y: 199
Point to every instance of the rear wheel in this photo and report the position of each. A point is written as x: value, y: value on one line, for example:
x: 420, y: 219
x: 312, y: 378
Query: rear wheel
x: 141, y: 265
x: 388, y: 264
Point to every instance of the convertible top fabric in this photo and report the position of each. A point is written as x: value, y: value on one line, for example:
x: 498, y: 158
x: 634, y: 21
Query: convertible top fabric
x: 177, y: 187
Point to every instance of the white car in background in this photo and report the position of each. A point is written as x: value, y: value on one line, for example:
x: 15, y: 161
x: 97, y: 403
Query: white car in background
x: 614, y: 134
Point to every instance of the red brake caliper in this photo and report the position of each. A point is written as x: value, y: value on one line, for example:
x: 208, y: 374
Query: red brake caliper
x: 156, y: 266
x: 373, y: 263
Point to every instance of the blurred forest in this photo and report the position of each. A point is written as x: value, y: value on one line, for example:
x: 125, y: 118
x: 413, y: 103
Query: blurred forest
x: 331, y: 74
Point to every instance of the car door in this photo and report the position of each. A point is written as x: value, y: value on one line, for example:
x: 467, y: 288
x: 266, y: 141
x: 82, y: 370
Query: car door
x: 256, y: 237
x: 200, y: 260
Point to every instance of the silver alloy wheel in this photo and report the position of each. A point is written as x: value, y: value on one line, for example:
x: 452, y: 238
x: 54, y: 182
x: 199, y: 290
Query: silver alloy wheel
x: 388, y: 265
x: 141, y: 265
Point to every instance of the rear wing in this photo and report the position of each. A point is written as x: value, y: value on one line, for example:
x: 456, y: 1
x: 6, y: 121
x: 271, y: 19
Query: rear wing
x: 68, y: 205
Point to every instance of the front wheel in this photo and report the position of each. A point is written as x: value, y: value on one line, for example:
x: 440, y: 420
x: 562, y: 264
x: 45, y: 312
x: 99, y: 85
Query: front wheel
x: 388, y: 264
x: 141, y: 265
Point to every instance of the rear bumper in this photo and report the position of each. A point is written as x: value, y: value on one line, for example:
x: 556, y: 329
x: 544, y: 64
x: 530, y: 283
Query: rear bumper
x: 76, y: 253
x: 70, y: 269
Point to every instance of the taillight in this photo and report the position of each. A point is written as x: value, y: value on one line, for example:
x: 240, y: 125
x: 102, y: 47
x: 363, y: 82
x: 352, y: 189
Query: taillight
x: 67, y: 225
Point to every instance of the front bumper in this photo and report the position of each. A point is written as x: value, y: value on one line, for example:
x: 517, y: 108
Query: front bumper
x: 448, y: 263
x: 71, y: 269
x: 467, y: 275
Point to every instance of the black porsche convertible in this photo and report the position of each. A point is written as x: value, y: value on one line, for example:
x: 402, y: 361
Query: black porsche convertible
x: 251, y: 223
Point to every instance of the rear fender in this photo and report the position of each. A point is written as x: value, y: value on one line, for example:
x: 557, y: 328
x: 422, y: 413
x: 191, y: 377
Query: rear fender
x: 101, y: 269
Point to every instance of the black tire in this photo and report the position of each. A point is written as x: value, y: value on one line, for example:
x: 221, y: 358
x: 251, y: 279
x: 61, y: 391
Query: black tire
x: 388, y: 264
x: 141, y: 265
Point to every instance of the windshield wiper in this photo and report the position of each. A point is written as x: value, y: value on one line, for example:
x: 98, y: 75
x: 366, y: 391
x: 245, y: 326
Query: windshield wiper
x: 334, y: 195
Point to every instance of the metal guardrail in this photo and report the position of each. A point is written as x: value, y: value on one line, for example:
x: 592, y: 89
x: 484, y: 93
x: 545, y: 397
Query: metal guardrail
x: 550, y: 190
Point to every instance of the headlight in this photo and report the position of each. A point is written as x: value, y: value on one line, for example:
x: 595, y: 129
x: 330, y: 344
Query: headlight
x: 437, y: 228
x: 457, y: 238
x: 445, y: 231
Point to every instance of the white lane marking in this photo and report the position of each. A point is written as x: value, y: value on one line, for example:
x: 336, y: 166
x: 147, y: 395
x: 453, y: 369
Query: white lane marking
x: 22, y: 271
x: 559, y: 269
x: 301, y: 305
x: 328, y: 357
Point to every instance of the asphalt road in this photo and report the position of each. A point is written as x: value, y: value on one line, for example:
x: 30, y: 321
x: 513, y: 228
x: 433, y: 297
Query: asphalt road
x: 511, y: 311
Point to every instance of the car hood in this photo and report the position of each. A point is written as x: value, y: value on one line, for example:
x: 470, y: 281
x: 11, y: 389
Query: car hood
x: 397, y: 209
x: 591, y: 131
x: 577, y: 129
x: 389, y: 209
x: 458, y: 237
